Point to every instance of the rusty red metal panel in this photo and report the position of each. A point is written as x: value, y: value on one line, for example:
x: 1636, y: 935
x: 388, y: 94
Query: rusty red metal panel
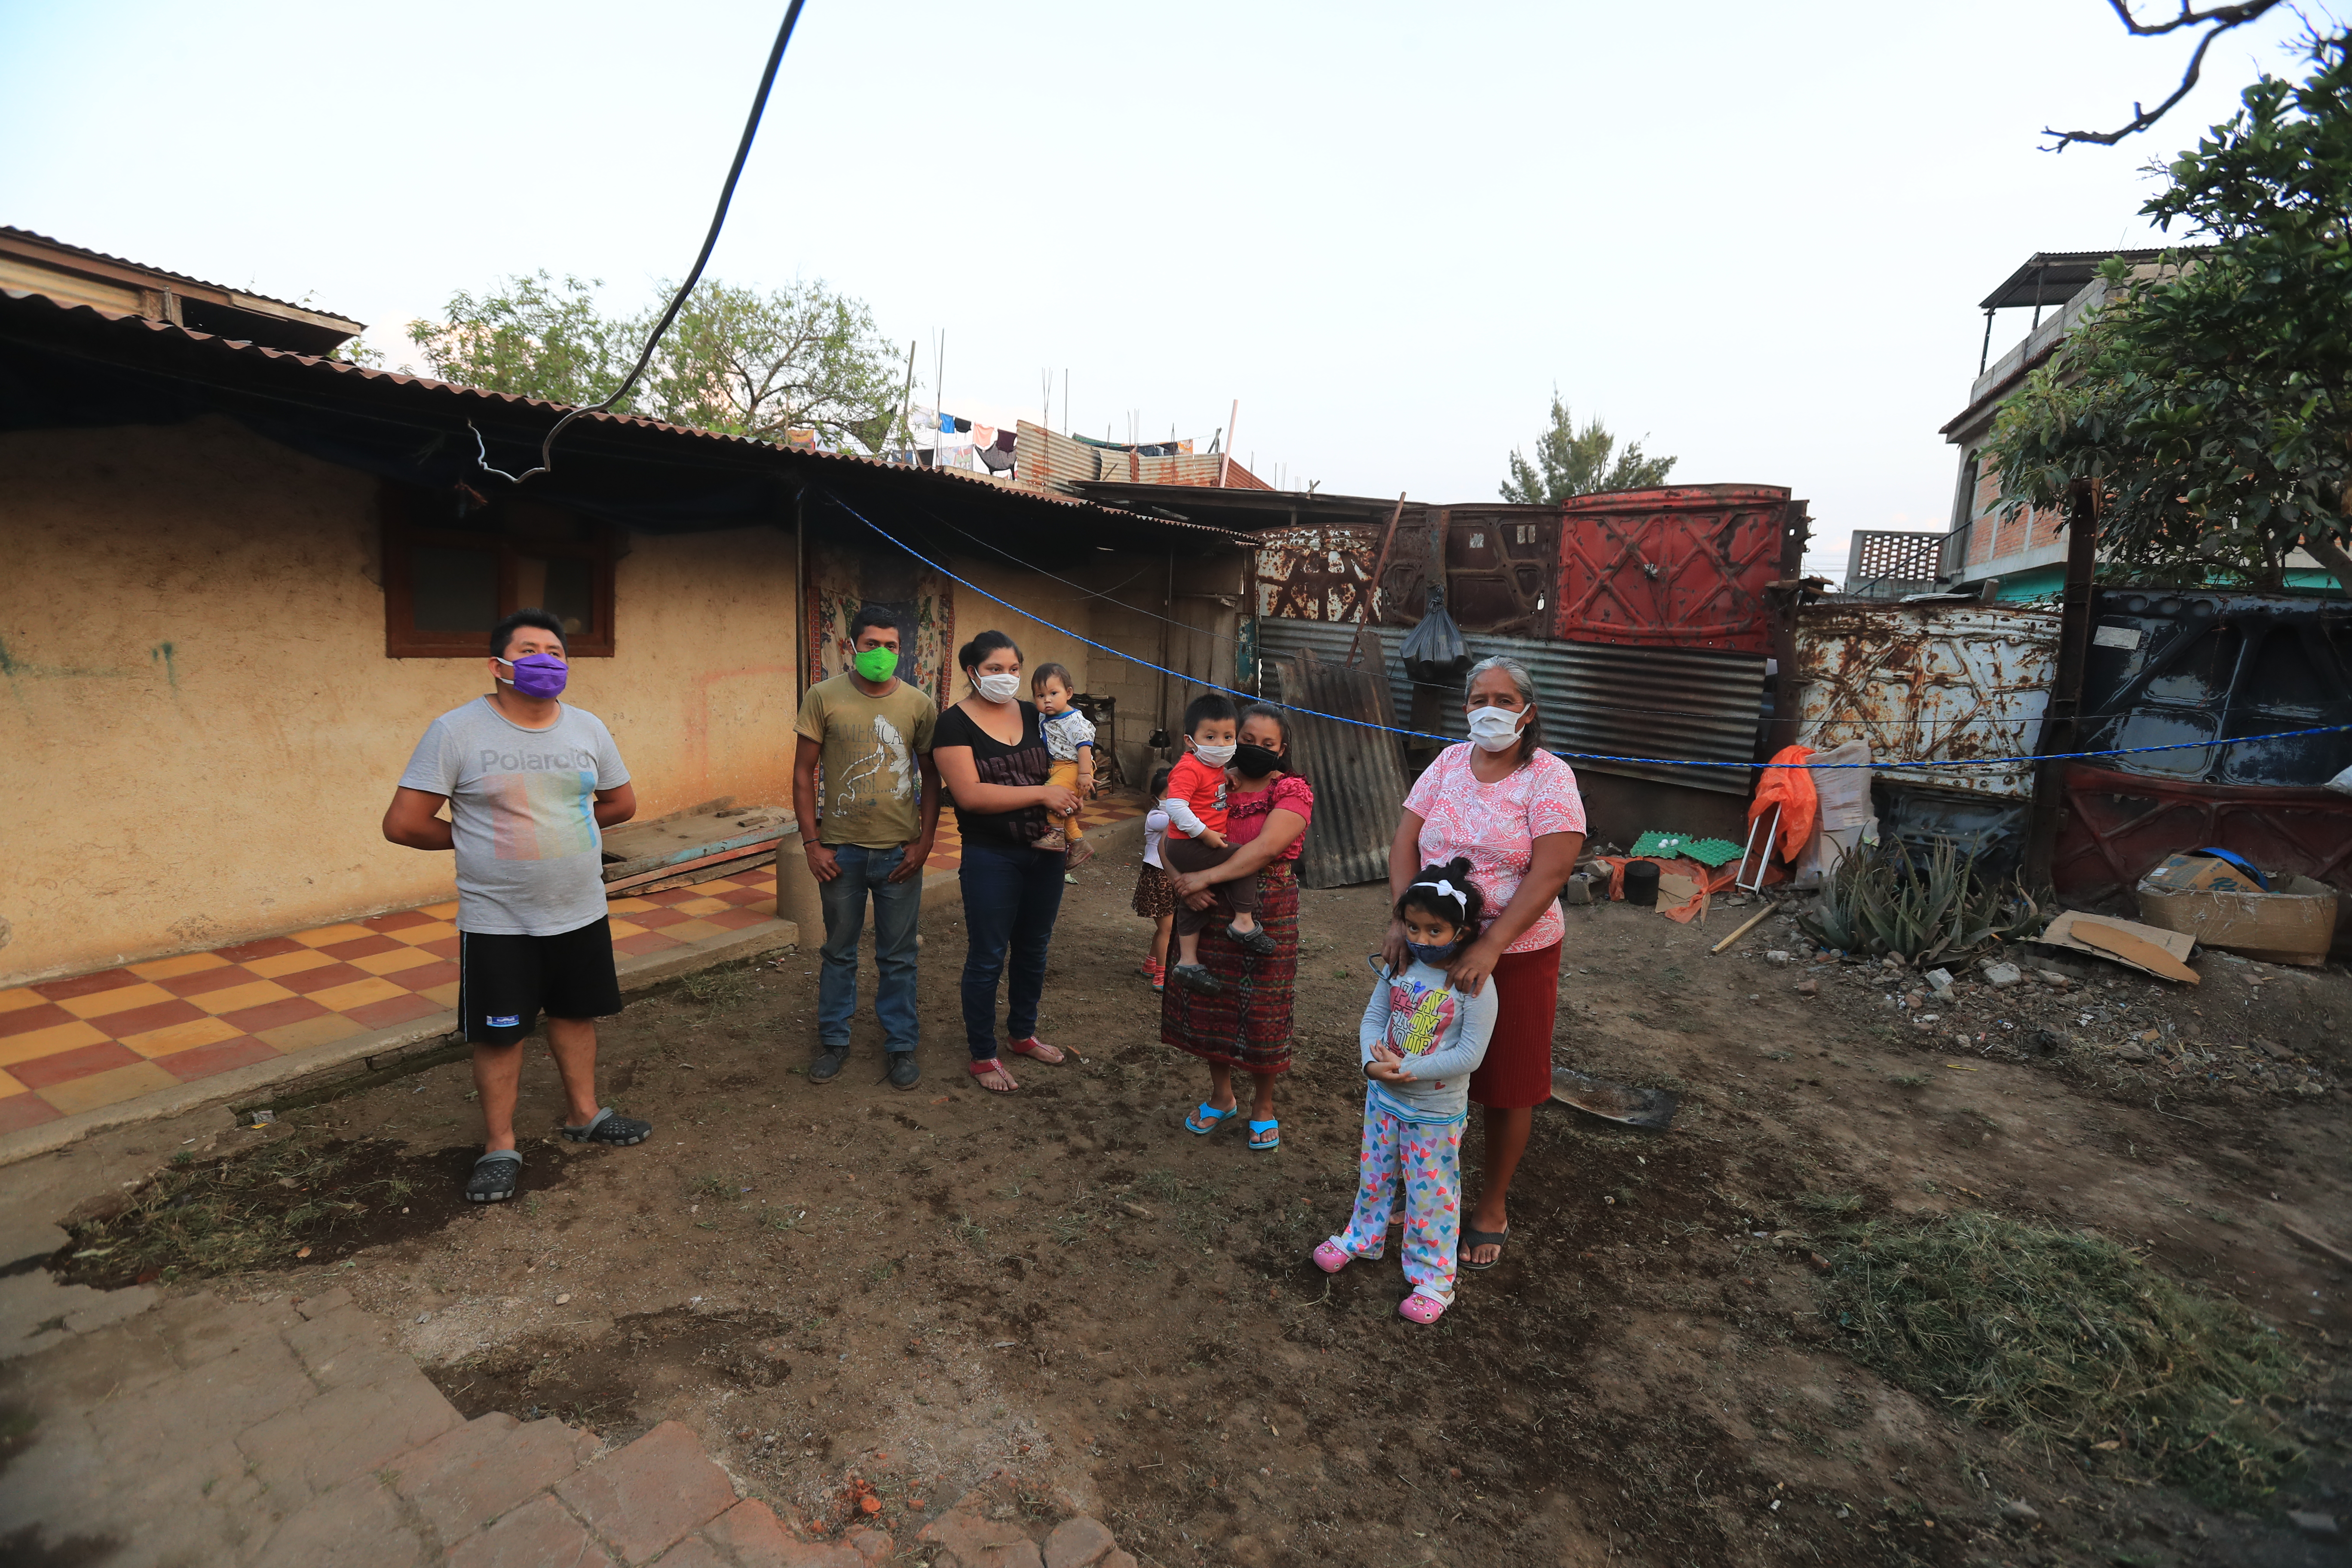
x: 1315, y: 574
x: 2120, y: 826
x: 1688, y: 566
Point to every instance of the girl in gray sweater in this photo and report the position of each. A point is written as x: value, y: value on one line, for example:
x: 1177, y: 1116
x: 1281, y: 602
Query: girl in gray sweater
x: 1421, y: 1040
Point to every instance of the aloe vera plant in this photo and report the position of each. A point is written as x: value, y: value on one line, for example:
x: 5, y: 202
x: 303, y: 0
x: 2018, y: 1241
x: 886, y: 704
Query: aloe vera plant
x: 1882, y: 901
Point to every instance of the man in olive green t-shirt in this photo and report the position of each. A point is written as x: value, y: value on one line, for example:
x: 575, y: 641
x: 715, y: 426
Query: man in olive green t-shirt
x: 871, y: 734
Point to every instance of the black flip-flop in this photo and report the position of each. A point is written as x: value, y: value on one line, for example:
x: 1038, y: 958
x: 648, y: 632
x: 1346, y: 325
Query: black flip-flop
x: 605, y: 1127
x: 495, y: 1177
x: 1474, y: 1239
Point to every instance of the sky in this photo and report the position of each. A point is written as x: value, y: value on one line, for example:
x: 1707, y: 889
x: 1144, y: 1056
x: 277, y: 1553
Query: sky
x: 1752, y: 236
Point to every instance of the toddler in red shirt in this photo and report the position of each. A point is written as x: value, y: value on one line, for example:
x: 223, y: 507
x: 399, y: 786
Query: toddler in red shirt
x: 1195, y: 804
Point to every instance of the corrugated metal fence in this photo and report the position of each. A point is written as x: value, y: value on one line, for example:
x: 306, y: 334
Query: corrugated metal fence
x: 1612, y: 699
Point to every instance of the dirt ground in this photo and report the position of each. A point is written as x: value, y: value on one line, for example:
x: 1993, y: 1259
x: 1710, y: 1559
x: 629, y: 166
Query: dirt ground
x: 848, y: 1288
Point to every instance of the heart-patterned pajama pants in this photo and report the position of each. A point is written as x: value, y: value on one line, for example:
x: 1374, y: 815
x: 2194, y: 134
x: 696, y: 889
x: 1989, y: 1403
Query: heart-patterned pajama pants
x: 1427, y: 1159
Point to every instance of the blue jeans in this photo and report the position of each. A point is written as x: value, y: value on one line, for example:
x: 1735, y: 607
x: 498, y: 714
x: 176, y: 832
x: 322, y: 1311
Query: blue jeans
x: 897, y: 910
x: 1011, y: 893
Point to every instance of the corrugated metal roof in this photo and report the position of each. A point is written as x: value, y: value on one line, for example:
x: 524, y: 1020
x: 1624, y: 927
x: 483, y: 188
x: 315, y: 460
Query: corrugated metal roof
x: 453, y: 399
x: 1358, y: 774
x: 9, y: 232
x: 1604, y: 698
x: 1048, y: 457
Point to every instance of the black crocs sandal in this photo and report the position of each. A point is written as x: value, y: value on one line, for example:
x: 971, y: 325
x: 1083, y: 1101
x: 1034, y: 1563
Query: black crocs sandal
x: 1256, y: 941
x: 604, y: 1127
x: 495, y: 1177
x: 1195, y: 977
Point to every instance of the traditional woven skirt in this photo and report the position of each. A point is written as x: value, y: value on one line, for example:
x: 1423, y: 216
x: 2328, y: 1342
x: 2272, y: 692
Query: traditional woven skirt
x: 1517, y: 1072
x: 1153, y: 895
x: 1247, y: 1024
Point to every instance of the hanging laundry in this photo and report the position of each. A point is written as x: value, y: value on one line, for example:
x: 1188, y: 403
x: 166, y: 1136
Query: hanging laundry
x: 1184, y: 448
x: 1005, y: 439
x: 947, y: 422
x: 983, y: 435
x: 801, y: 440
x: 923, y: 458
x: 997, y: 458
x: 961, y: 425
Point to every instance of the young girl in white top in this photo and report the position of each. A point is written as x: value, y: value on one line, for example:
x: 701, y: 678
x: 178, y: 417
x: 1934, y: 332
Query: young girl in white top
x: 1420, y: 1040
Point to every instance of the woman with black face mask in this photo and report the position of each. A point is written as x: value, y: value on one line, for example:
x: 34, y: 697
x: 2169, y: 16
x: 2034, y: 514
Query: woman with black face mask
x: 1246, y: 1023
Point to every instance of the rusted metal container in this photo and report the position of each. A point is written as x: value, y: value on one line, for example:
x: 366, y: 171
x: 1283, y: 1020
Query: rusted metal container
x: 1689, y: 566
x: 1938, y: 682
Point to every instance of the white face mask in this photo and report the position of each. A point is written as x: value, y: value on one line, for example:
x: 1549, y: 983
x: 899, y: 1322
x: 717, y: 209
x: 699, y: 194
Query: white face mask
x: 998, y: 688
x: 1495, y: 728
x: 1215, y: 756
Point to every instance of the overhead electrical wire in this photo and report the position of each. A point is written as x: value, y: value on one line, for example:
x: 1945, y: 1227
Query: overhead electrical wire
x: 694, y: 275
x: 1581, y: 756
x: 1949, y: 726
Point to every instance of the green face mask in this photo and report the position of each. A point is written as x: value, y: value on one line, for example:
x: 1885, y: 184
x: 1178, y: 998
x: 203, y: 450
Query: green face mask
x: 875, y: 664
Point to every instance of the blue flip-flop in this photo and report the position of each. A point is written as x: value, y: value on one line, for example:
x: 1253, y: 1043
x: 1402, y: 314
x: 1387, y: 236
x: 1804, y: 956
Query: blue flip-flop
x: 1269, y: 1125
x: 1203, y: 1121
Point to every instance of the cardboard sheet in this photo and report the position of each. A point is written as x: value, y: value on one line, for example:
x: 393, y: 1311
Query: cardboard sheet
x: 2177, y: 946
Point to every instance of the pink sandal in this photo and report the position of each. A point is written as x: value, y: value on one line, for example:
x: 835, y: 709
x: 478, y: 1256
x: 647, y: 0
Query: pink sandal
x: 1420, y: 1309
x: 982, y: 1069
x: 1330, y: 1259
x: 1033, y: 1046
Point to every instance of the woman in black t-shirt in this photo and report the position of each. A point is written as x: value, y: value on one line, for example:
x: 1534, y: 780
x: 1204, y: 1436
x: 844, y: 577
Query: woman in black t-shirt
x: 992, y: 757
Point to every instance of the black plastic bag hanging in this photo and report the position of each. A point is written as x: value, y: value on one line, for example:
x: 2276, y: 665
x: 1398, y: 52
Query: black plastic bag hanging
x: 1433, y: 652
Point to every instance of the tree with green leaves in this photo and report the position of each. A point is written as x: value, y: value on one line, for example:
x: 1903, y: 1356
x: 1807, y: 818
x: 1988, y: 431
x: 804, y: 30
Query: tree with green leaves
x: 1570, y: 461
x: 735, y: 361
x: 534, y: 337
x: 2210, y: 401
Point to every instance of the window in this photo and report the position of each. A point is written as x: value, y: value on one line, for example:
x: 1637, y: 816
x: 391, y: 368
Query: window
x: 449, y: 576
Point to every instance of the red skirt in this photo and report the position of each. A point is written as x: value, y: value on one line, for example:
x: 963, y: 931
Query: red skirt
x: 1516, y: 1073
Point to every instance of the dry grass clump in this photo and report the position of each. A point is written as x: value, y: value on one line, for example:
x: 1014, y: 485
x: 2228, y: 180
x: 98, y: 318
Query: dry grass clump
x: 2066, y: 1340
x: 231, y: 1214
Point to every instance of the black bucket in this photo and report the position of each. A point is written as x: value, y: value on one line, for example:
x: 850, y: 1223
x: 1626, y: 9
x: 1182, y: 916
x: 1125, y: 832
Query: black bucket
x: 1641, y: 883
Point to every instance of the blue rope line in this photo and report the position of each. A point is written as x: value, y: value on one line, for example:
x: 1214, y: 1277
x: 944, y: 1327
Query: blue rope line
x: 1579, y: 756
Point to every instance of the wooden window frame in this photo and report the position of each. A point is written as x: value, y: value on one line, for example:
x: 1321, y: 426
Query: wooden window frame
x: 403, y: 529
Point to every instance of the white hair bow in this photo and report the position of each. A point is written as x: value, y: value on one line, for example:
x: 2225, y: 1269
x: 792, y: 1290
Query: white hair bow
x: 1448, y: 888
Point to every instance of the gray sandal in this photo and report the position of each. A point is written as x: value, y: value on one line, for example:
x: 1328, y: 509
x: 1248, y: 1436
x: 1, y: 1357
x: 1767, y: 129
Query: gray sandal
x: 495, y: 1176
x: 605, y: 1127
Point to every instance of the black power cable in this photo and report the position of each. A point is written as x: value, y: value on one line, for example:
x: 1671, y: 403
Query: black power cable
x: 710, y: 242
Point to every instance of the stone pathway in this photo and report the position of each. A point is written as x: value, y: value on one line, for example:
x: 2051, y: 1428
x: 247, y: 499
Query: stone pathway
x: 292, y: 1434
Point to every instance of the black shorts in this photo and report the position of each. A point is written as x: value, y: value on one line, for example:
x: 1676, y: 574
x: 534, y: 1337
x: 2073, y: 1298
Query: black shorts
x: 504, y: 983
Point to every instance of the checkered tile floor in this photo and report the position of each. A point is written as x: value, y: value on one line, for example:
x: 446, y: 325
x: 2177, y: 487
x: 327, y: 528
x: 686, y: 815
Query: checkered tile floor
x: 75, y: 1045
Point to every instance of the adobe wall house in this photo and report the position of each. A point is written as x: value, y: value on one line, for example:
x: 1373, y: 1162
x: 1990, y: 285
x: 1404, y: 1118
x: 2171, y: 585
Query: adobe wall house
x: 240, y: 580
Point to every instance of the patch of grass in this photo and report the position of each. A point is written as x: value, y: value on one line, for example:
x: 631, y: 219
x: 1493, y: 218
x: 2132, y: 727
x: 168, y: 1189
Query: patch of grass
x: 1829, y: 1203
x: 233, y: 1214
x: 1909, y: 1079
x: 1161, y: 1184
x: 2061, y: 1338
x: 719, y: 989
x: 971, y: 1232
x: 709, y: 1187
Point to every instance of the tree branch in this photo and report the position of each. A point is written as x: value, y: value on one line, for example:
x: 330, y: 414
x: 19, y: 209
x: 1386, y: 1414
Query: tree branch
x: 2223, y: 17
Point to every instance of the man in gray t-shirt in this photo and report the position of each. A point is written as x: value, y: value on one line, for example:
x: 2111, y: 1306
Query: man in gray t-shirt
x: 530, y: 783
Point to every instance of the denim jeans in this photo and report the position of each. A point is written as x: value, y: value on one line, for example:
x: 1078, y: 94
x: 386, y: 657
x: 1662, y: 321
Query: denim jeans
x: 897, y: 910
x: 1011, y: 893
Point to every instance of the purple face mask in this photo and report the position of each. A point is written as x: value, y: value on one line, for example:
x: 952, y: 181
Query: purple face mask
x: 539, y: 675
